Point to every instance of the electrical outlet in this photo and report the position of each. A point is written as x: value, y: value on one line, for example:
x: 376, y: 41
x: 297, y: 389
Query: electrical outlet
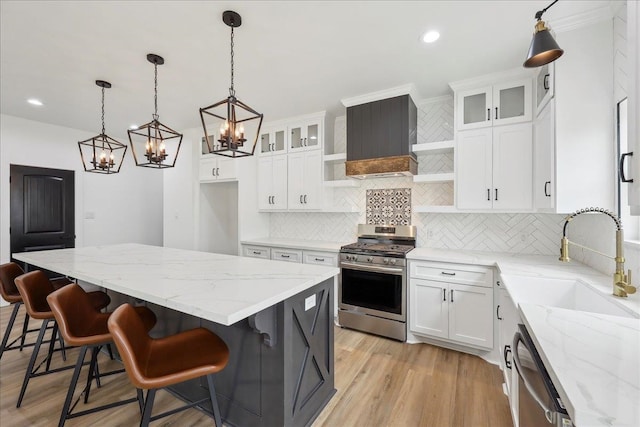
x: 429, y: 233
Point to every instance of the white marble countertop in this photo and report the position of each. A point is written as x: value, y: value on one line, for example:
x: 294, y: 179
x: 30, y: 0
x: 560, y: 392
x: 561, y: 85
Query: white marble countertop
x: 220, y: 288
x: 594, y: 361
x: 308, y: 245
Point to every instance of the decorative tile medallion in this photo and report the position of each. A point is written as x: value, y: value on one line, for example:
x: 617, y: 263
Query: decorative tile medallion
x: 389, y: 207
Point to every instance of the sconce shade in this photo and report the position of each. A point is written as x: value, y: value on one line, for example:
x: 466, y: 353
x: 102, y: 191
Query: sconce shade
x: 543, y: 48
x: 101, y: 153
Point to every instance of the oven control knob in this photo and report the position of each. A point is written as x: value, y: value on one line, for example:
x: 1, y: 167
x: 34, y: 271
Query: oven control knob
x: 370, y: 259
x: 393, y: 261
x: 385, y: 260
x: 348, y: 257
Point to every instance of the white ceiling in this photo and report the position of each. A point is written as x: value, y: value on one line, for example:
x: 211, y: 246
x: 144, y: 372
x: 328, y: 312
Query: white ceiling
x: 292, y: 57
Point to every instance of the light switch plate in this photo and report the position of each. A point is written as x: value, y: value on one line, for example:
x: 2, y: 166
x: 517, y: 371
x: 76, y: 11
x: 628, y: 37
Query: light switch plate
x: 309, y: 302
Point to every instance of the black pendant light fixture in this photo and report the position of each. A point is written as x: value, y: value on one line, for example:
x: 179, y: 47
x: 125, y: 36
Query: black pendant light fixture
x: 230, y: 115
x: 102, y: 154
x: 159, y: 143
x: 544, y: 48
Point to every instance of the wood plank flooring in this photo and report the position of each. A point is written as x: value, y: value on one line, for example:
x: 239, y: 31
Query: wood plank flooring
x: 379, y: 382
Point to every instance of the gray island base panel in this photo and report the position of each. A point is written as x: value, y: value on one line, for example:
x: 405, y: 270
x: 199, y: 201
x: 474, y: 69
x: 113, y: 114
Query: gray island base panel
x: 280, y: 333
x: 281, y: 369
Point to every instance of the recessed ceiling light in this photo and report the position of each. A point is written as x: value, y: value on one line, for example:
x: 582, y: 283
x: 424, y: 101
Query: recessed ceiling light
x: 34, y: 101
x: 133, y: 127
x: 430, y: 36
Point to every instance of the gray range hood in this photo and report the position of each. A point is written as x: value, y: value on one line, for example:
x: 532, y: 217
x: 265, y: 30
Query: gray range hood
x: 380, y: 134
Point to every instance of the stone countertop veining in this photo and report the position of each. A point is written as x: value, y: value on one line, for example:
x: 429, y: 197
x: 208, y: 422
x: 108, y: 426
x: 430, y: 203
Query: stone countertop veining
x: 216, y: 287
x: 532, y: 265
x: 594, y: 361
x: 308, y: 245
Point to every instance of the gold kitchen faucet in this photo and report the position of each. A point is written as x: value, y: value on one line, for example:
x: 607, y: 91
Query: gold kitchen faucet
x: 621, y: 282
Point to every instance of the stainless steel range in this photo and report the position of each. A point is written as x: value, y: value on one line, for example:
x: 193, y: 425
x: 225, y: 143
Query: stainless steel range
x: 372, y: 296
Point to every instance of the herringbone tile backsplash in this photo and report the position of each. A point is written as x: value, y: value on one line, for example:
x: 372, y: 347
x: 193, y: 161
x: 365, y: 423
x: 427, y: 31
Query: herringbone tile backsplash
x: 514, y: 233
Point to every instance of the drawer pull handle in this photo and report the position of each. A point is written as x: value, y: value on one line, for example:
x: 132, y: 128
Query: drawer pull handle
x: 320, y: 259
x: 498, y: 312
x: 447, y: 274
x: 451, y: 295
x: 285, y: 256
x: 444, y: 295
x: 257, y: 252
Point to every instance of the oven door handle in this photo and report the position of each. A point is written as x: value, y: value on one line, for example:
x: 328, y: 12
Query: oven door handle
x: 351, y: 266
x: 515, y: 356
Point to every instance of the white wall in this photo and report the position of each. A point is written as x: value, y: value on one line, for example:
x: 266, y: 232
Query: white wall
x: 127, y: 207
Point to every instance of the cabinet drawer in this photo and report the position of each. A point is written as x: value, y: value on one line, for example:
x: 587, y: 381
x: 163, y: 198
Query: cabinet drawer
x: 452, y: 273
x: 321, y: 258
x: 289, y: 255
x: 257, y: 252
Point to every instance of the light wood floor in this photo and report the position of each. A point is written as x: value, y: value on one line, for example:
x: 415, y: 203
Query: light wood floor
x: 379, y: 382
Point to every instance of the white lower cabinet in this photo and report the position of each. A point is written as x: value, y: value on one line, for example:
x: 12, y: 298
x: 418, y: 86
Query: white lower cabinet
x: 453, y: 302
x: 256, y: 252
x: 508, y: 319
x: 288, y: 255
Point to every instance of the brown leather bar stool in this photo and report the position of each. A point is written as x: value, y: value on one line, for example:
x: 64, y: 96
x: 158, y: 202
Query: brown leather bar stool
x: 157, y: 363
x: 34, y: 287
x: 10, y: 293
x: 83, y: 326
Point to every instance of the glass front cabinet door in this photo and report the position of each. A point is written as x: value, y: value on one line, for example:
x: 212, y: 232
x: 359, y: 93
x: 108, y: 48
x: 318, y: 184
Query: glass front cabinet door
x: 500, y: 104
x: 305, y: 136
x: 273, y: 141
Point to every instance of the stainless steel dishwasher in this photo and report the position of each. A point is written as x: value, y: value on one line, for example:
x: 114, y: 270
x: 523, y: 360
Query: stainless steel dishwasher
x: 538, y: 401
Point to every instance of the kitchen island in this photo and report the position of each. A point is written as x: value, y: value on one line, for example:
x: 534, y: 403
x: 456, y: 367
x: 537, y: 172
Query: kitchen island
x: 276, y: 318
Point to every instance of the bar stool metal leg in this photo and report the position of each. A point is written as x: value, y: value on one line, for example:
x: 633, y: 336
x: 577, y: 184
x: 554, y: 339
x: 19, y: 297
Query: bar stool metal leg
x: 32, y: 361
x: 12, y: 319
x: 72, y: 386
x: 148, y: 406
x: 214, y: 401
x: 25, y: 329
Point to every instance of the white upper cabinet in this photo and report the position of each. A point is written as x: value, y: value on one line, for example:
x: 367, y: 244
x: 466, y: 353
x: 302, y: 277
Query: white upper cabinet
x: 499, y: 104
x: 217, y: 168
x: 494, y: 168
x: 544, y: 159
x: 633, y: 122
x: 272, y: 183
x: 272, y: 141
x: 544, y: 86
x: 305, y: 180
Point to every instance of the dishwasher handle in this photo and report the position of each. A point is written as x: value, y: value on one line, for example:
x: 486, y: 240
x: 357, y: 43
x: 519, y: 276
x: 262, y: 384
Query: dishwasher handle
x: 517, y: 339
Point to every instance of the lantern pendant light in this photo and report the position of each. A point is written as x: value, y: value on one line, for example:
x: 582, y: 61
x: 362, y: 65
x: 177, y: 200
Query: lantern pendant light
x: 159, y: 143
x: 543, y: 48
x: 225, y: 135
x: 102, y: 154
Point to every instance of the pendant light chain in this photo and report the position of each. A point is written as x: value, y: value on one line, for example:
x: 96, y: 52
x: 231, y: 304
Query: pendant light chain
x: 155, y: 99
x: 232, y: 91
x: 103, y: 110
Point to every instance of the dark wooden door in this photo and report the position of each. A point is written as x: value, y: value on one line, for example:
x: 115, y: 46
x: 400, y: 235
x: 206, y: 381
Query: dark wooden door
x: 42, y: 209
